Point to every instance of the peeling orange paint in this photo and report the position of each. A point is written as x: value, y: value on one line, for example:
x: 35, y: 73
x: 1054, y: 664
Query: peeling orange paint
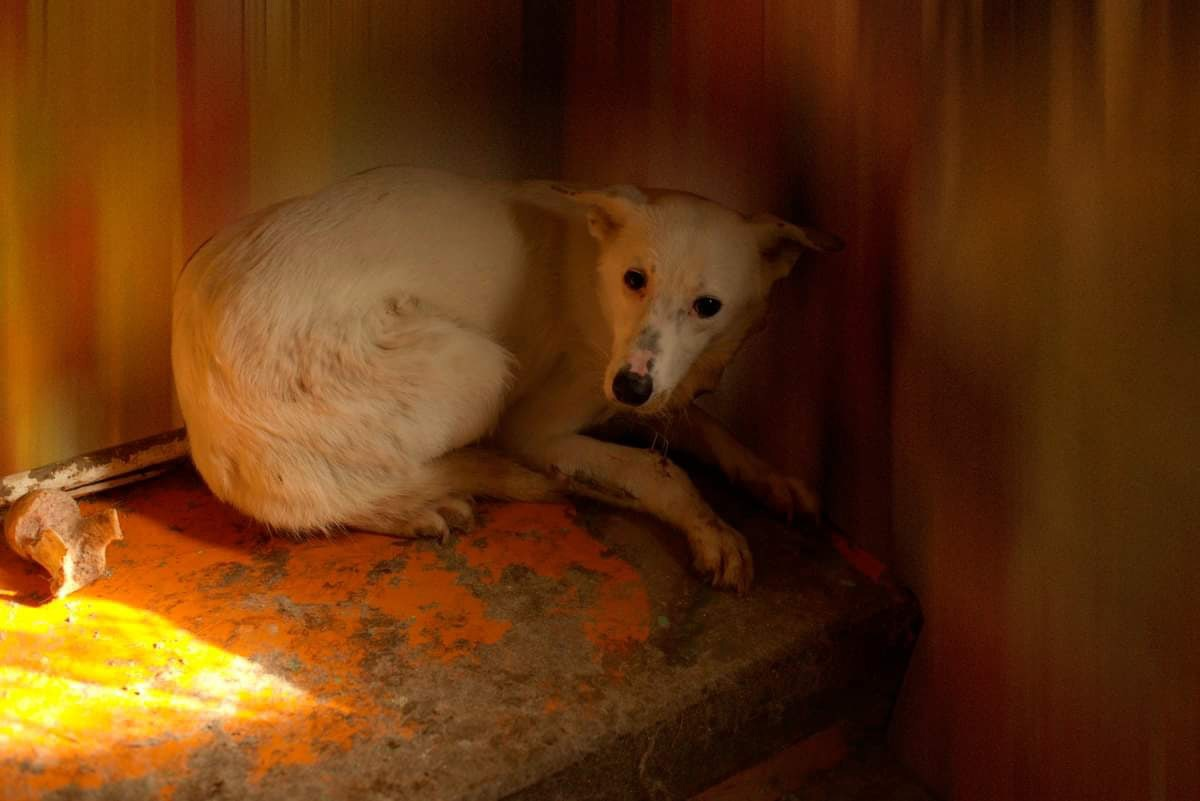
x: 207, y: 628
x: 861, y: 560
x: 547, y: 540
x: 446, y: 618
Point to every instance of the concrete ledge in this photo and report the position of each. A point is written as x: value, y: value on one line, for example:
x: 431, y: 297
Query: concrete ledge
x: 552, y: 654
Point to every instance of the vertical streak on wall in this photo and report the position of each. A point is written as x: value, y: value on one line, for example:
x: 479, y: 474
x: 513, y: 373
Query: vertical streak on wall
x: 544, y: 46
x: 214, y: 116
x: 15, y: 353
x: 137, y: 190
x: 289, y: 70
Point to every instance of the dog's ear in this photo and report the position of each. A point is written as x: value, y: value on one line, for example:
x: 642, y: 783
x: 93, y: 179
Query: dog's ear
x: 781, y: 244
x: 608, y: 209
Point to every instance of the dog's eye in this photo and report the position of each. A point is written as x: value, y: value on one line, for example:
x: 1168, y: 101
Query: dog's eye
x: 635, y: 279
x: 707, y: 306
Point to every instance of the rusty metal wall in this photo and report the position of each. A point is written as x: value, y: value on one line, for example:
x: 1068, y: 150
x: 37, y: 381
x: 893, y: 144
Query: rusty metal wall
x: 130, y: 130
x: 994, y: 384
x: 1044, y: 406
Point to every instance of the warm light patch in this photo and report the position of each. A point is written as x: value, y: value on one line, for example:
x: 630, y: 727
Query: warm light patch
x: 93, y: 690
x: 210, y: 635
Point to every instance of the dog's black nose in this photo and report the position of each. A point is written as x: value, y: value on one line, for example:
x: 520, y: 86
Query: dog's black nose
x: 633, y: 389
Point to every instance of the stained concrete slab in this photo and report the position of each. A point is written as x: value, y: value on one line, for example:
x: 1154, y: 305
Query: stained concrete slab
x: 555, y: 653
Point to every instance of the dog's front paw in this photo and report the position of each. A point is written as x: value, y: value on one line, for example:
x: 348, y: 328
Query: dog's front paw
x: 788, y: 497
x: 721, y: 553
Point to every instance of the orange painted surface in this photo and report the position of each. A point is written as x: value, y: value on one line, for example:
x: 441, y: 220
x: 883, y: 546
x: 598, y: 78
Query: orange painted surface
x: 619, y: 615
x: 207, y: 628
x: 860, y: 559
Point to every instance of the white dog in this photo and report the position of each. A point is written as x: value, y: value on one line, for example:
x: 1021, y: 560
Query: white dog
x: 380, y: 353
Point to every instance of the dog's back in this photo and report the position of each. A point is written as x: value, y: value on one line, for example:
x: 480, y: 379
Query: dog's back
x: 328, y: 347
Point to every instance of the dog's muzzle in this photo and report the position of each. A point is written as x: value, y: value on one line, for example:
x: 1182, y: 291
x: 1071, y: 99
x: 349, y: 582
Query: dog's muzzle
x: 632, y: 389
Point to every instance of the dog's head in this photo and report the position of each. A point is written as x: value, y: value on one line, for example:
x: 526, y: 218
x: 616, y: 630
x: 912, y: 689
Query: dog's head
x: 681, y: 281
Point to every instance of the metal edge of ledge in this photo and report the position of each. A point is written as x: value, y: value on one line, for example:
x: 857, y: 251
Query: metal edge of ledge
x: 102, y: 469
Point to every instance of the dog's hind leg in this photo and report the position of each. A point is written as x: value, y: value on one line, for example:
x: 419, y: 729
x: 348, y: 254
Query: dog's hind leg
x: 435, y: 498
x: 406, y: 396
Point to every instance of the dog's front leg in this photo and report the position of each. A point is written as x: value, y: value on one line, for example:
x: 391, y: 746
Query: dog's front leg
x: 646, y: 481
x: 697, y: 432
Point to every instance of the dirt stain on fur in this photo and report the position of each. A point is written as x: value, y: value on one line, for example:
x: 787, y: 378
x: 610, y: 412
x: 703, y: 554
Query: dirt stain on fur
x: 592, y: 485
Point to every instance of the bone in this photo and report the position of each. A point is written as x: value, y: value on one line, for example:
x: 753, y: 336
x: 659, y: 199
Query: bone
x: 46, y: 526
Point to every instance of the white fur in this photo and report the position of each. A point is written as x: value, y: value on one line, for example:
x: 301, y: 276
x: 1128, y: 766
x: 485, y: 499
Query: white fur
x: 382, y: 351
